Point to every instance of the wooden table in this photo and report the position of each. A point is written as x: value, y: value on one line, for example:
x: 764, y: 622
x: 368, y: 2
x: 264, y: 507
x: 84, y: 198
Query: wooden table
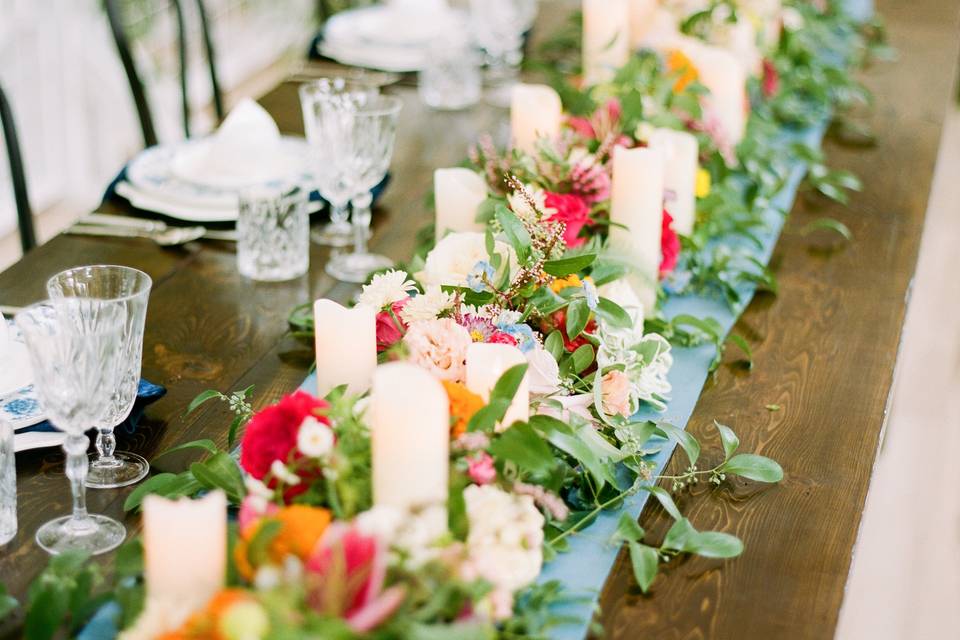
x: 825, y: 350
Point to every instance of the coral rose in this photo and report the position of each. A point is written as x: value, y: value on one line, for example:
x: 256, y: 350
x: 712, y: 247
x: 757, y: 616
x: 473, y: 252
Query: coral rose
x: 616, y: 393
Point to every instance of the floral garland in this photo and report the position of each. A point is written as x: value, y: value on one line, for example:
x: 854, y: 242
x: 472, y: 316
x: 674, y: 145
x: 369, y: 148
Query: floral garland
x: 313, y: 555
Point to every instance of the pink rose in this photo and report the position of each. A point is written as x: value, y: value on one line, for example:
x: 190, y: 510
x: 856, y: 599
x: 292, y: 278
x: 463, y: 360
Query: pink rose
x: 440, y: 347
x: 480, y: 468
x: 616, y: 393
x: 390, y: 327
x: 573, y: 211
x: 669, y: 245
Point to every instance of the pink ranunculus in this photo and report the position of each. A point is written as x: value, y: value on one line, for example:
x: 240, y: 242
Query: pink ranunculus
x: 346, y: 575
x: 573, y: 211
x: 390, y: 326
x: 582, y: 127
x: 669, y: 246
x: 602, y: 123
x: 480, y: 468
x: 616, y: 393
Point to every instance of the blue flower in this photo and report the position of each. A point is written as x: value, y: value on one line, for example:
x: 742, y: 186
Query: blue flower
x: 590, y: 293
x: 522, y: 333
x: 478, y: 277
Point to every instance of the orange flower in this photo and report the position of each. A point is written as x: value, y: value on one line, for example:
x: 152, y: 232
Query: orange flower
x: 571, y: 281
x: 679, y: 64
x: 300, y: 529
x: 463, y: 404
x: 204, y: 624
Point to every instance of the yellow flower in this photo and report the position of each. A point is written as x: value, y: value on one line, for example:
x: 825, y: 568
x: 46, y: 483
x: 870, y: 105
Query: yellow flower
x: 573, y: 280
x: 463, y: 405
x: 680, y: 65
x: 703, y: 183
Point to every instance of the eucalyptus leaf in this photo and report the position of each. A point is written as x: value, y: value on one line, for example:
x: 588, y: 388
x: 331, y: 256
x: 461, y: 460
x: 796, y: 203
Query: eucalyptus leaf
x: 209, y: 394
x: 583, y: 357
x: 554, y: 344
x: 515, y: 232
x: 678, y: 534
x: 665, y: 500
x: 567, y: 265
x: 728, y: 438
x: 713, y: 544
x: 522, y: 445
x: 578, y: 314
x: 628, y: 529
x: 613, y: 314
x: 753, y: 467
x: 689, y: 444
x: 645, y: 562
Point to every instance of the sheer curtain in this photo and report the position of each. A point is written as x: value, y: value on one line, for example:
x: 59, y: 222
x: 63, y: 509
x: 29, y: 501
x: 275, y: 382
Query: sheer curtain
x: 74, y: 111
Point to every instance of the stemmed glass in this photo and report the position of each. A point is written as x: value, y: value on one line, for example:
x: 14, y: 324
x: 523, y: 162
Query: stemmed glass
x: 373, y: 135
x: 327, y: 104
x: 74, y: 345
x: 129, y: 288
x: 498, y: 27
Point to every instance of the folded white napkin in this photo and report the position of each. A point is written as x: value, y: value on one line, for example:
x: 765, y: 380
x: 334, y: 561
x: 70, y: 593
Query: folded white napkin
x: 245, y: 151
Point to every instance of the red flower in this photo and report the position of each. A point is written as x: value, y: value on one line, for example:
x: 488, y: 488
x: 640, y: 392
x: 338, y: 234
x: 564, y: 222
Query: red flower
x: 390, y: 326
x: 669, y: 245
x: 272, y: 433
x: 572, y: 210
x: 499, y: 337
x: 557, y: 321
x: 771, y: 78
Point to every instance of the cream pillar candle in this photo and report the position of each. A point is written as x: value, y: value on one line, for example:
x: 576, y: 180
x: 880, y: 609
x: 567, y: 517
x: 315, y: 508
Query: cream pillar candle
x: 742, y: 42
x: 346, y: 345
x: 637, y: 203
x: 457, y: 194
x: 722, y: 73
x: 681, y: 162
x: 409, y: 419
x: 535, y: 112
x: 185, y: 547
x: 485, y: 364
x: 643, y: 18
x: 606, y: 38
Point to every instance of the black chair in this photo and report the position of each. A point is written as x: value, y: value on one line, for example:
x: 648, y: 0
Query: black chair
x: 117, y: 27
x: 28, y: 239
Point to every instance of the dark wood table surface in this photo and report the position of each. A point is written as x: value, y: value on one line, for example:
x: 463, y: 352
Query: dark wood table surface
x: 825, y: 350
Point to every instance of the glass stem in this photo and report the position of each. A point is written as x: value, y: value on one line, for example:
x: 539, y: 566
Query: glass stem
x: 339, y: 214
x: 106, y: 444
x: 75, y: 446
x: 361, y: 222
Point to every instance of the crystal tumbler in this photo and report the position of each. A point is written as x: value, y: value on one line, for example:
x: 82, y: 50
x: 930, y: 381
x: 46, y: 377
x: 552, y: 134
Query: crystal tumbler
x: 273, y: 234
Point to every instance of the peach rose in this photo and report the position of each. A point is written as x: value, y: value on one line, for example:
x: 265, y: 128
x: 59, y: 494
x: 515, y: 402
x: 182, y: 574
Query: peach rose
x: 440, y: 347
x: 616, y: 393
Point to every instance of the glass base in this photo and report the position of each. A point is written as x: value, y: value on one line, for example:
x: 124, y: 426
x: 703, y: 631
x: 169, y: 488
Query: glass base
x: 335, y: 235
x: 356, y: 267
x: 94, y: 534
x: 125, y: 469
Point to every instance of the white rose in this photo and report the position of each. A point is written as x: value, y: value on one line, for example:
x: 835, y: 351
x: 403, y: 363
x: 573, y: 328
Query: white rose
x: 543, y: 373
x: 314, y: 439
x: 456, y: 255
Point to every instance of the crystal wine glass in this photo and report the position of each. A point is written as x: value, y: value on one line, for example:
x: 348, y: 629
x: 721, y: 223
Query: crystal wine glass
x: 131, y: 289
x: 498, y: 27
x: 73, y: 345
x: 374, y: 133
x: 326, y: 104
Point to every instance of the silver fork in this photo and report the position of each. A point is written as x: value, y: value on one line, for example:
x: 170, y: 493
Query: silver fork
x: 165, y: 237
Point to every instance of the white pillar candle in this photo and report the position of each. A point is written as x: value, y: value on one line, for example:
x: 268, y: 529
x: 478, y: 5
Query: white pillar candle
x: 643, y: 16
x: 681, y: 162
x: 457, y: 194
x: 535, y: 112
x: 606, y: 39
x: 637, y: 203
x: 185, y: 547
x: 409, y: 416
x: 346, y: 344
x: 742, y: 42
x: 722, y: 73
x: 486, y: 363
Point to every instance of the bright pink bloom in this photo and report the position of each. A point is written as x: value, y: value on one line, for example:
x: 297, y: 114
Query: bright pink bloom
x: 669, y: 245
x: 480, y: 468
x: 771, y: 78
x: 591, y: 181
x: 390, y: 327
x: 572, y: 211
x: 345, y: 577
x: 604, y: 122
x: 272, y: 432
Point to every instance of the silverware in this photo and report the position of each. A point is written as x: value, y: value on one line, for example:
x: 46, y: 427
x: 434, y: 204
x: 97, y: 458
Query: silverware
x: 111, y: 220
x: 165, y: 237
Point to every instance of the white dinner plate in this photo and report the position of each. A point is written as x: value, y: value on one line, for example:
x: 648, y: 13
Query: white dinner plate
x: 15, y: 370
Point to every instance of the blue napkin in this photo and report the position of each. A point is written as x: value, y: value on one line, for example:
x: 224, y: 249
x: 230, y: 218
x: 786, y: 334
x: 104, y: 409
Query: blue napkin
x: 147, y: 394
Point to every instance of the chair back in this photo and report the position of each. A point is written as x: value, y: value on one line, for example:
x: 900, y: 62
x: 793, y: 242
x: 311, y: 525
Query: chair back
x: 28, y: 238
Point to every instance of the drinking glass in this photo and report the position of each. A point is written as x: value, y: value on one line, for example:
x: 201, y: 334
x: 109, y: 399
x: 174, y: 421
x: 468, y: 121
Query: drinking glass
x: 327, y: 104
x: 129, y: 288
x: 498, y: 27
x: 450, y: 79
x: 74, y: 345
x: 273, y: 234
x: 373, y: 135
x: 8, y: 483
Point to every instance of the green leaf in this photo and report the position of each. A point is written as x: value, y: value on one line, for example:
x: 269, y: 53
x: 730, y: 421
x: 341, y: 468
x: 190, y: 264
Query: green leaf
x: 713, y: 544
x: 554, y: 344
x: 753, y: 467
x: 583, y: 357
x: 565, y: 266
x: 7, y: 602
x: 744, y: 346
x: 773, y: 407
x: 220, y: 472
x: 509, y: 382
x: 628, y: 529
x: 828, y: 224
x: 645, y: 562
x: 689, y: 444
x: 209, y: 394
x: 259, y: 545
x: 515, y: 232
x: 613, y: 314
x: 578, y: 314
x: 665, y: 500
x: 728, y: 438
x: 168, y: 485
x: 206, y: 444
x: 522, y: 445
x: 585, y: 445
x: 677, y: 536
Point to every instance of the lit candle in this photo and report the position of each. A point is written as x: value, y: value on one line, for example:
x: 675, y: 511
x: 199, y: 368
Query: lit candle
x: 409, y: 417
x: 485, y: 364
x: 606, y: 39
x: 346, y: 344
x: 185, y: 547
x: 681, y: 162
x: 535, y: 112
x: 457, y: 194
x: 637, y: 204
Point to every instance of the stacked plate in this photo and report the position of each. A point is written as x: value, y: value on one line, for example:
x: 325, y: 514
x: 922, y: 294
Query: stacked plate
x: 200, y: 180
x: 395, y: 37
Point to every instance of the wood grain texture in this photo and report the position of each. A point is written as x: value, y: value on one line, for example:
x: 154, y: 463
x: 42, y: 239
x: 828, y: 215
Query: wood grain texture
x: 825, y: 351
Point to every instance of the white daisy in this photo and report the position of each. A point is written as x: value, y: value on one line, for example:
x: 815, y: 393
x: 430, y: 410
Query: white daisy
x: 387, y: 288
x: 314, y: 439
x: 427, y: 306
